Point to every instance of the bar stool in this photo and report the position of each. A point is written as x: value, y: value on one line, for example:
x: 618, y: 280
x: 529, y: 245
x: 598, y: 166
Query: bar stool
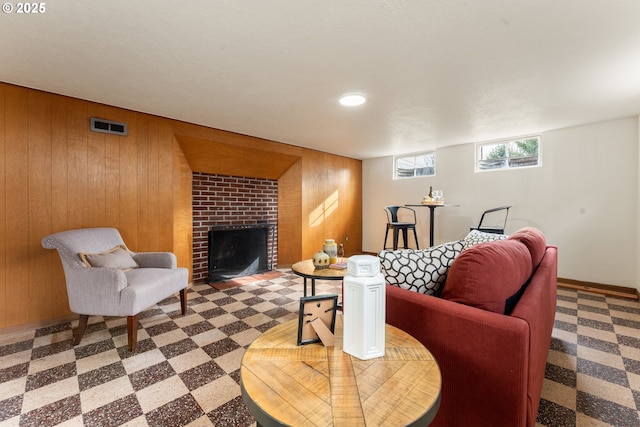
x: 393, y: 212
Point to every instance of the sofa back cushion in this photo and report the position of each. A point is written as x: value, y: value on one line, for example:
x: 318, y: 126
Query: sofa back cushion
x: 534, y: 240
x: 489, y: 276
x: 423, y: 271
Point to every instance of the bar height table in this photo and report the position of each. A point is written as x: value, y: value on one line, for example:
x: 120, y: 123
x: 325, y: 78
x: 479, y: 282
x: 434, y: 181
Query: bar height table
x: 432, y: 214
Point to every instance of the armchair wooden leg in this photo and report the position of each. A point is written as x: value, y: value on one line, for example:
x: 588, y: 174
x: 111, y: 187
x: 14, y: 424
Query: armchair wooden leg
x: 82, y: 326
x: 183, y: 301
x: 132, y: 332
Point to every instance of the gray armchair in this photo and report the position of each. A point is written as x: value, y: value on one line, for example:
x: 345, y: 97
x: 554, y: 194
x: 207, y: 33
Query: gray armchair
x: 104, y: 278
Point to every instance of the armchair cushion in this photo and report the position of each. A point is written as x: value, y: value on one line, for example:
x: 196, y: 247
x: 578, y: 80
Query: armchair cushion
x: 534, y: 240
x: 117, y: 257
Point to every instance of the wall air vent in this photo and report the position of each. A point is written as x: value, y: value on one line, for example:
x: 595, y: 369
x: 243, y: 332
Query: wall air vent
x: 108, y: 126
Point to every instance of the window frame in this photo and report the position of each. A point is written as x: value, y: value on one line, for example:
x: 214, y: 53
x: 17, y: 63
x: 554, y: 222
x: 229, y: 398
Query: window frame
x: 396, y: 158
x: 505, y: 142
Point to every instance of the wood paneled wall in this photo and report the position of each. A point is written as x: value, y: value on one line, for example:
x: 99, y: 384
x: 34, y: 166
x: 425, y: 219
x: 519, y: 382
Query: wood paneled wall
x: 56, y: 175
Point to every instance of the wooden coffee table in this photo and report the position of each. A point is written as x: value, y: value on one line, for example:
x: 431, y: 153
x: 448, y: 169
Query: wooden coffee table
x: 312, y: 385
x: 307, y: 270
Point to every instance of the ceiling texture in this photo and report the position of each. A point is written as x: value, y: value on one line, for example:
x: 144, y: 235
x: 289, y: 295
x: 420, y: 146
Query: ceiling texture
x: 435, y: 72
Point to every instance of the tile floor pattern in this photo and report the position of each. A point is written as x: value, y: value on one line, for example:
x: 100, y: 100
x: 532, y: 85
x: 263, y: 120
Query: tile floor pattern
x: 186, y: 371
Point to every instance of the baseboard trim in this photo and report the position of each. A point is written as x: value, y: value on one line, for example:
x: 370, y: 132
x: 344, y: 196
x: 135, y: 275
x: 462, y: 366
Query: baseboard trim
x: 599, y: 288
x: 10, y: 330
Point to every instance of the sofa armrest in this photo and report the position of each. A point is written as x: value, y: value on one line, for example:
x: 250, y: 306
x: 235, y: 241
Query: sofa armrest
x: 156, y: 259
x: 483, y: 357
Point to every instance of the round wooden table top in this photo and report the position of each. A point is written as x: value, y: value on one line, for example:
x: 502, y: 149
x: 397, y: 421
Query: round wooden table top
x: 307, y: 269
x: 313, y: 385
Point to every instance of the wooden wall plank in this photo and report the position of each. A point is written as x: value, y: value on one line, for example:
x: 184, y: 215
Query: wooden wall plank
x: 4, y: 286
x: 142, y: 176
x: 39, y: 209
x: 17, y: 204
x: 290, y: 216
x: 128, y: 186
x: 96, y: 202
x: 77, y: 164
x: 59, y: 198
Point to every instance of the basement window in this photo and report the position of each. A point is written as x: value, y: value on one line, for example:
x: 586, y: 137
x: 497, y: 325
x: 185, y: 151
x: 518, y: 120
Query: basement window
x: 414, y: 165
x: 509, y: 154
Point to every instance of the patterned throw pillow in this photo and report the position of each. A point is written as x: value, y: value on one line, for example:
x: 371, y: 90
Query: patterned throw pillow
x: 423, y: 271
x: 476, y: 237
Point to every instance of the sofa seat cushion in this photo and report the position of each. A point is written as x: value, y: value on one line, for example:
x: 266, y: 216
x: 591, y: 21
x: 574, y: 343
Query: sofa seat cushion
x: 489, y: 276
x: 534, y: 240
x: 423, y: 271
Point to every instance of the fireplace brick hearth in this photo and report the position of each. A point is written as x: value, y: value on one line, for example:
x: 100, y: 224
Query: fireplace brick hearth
x: 229, y: 200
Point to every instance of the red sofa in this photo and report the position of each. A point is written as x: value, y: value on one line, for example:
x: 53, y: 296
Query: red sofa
x: 492, y: 363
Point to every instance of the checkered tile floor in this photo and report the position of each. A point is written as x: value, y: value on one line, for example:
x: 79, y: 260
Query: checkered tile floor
x: 186, y: 371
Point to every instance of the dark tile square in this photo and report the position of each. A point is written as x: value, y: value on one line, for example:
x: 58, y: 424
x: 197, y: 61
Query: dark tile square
x: 177, y: 348
x: 604, y: 410
x: 253, y: 301
x: 595, y: 324
x: 50, y: 376
x: 198, y: 328
x: 115, y: 413
x: 151, y: 375
x: 16, y: 347
x: 560, y: 375
x: 83, y: 351
x: 553, y: 415
x: 101, y: 375
x: 245, y: 312
x: 10, y: 407
x: 567, y: 311
x: 143, y: 346
x: 266, y: 326
x: 282, y: 301
x: 592, y: 309
x: 14, y: 372
x: 233, y: 413
x: 224, y: 301
x: 51, y: 349
x: 200, y: 375
x: 606, y: 346
x: 41, y: 332
x: 179, y: 412
x: 53, y: 413
x: 161, y: 328
x: 565, y: 326
x: 214, y: 312
x: 234, y: 328
x: 603, y: 372
x: 277, y: 312
x: 221, y: 347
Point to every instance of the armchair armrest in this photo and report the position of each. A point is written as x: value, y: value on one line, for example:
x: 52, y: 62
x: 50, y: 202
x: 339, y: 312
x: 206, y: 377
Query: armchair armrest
x: 95, y: 291
x: 156, y: 259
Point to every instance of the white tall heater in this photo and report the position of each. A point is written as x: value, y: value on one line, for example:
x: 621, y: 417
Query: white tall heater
x: 364, y: 308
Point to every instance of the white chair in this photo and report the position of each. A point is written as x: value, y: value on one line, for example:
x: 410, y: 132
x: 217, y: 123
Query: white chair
x: 104, y: 278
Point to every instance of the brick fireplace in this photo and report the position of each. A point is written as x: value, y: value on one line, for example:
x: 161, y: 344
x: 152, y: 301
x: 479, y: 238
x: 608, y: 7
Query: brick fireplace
x: 221, y: 200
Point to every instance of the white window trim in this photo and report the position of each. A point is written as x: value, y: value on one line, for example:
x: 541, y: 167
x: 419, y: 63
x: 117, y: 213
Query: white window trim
x: 506, y: 141
x: 414, y: 155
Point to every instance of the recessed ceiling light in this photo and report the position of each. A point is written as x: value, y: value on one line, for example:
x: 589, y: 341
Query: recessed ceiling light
x: 353, y: 99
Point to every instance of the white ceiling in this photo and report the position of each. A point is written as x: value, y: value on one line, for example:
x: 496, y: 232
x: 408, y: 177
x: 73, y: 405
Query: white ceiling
x: 436, y: 72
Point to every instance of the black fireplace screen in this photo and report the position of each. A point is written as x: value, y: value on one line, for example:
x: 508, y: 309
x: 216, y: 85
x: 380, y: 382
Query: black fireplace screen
x: 243, y: 250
